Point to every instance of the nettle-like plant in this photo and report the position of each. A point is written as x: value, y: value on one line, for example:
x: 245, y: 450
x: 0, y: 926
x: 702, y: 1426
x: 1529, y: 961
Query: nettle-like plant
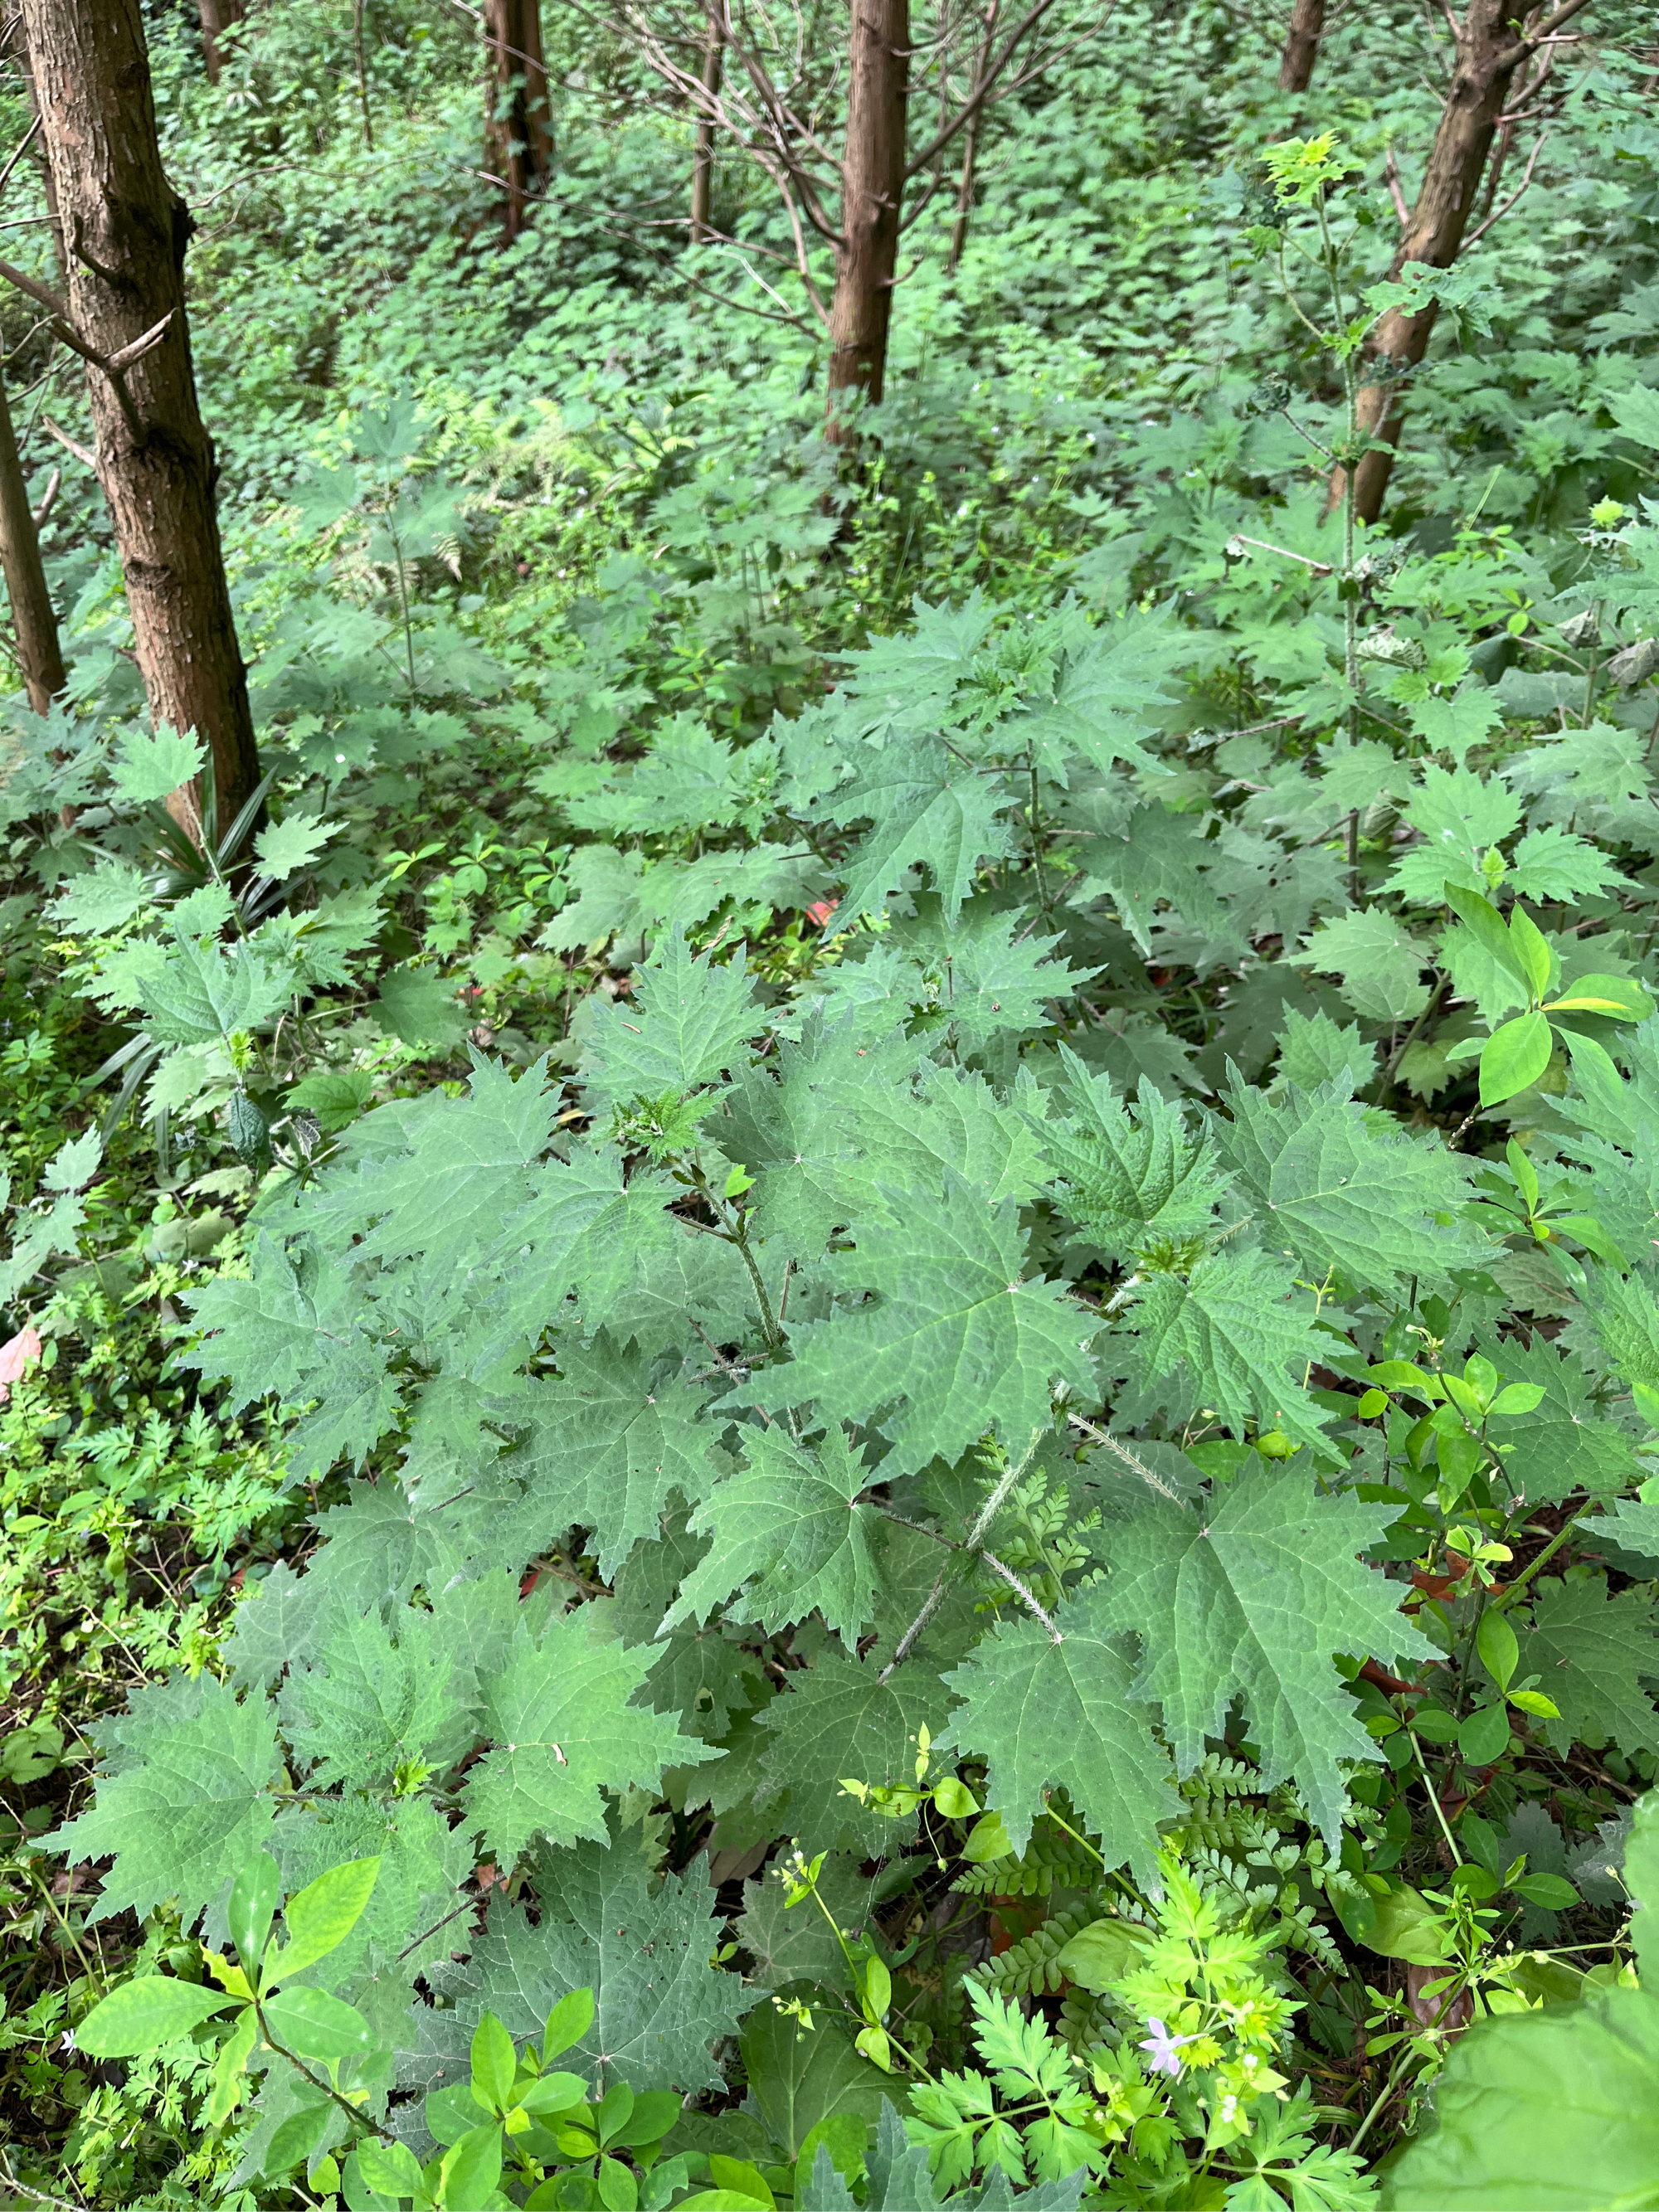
x: 821, y: 1381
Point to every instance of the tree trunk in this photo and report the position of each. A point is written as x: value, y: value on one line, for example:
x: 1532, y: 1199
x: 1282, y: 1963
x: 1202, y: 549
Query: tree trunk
x: 217, y: 17
x: 872, y: 186
x: 970, y: 131
x: 34, y: 623
x: 518, y: 133
x: 703, y: 160
x: 127, y: 231
x: 1489, y: 51
x: 1295, y: 64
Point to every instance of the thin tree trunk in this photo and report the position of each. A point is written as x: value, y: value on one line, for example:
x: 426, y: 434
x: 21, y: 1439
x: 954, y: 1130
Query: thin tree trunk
x: 127, y: 231
x: 873, y: 187
x: 518, y: 133
x: 703, y: 160
x: 34, y: 623
x: 1489, y: 51
x: 970, y: 131
x: 1295, y: 64
x: 217, y: 17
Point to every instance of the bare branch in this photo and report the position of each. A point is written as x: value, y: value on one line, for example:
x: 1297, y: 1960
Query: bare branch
x: 68, y: 444
x: 744, y: 307
x: 42, y: 295
x: 1396, y: 190
x: 981, y: 91
x: 1499, y: 214
x: 23, y: 145
x: 1545, y: 32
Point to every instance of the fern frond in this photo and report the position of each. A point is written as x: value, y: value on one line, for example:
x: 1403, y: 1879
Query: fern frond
x: 1031, y: 1967
x: 1046, y: 1859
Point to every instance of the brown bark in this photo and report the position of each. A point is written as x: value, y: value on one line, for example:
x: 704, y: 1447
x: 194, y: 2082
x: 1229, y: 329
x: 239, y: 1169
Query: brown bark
x: 518, y: 128
x: 34, y: 620
x: 873, y: 188
x: 1295, y: 64
x: 127, y: 230
x: 217, y: 17
x: 702, y: 159
x: 1490, y: 49
x: 970, y: 131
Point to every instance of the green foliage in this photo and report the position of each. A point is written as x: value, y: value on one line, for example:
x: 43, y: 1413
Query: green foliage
x: 886, y: 1167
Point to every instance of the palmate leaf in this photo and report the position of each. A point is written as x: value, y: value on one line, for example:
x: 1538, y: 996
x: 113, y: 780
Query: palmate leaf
x: 559, y: 1717
x: 1591, y: 1654
x: 1377, y: 961
x: 423, y: 1863
x: 1107, y: 686
x: 1246, y: 1598
x: 1625, y: 1319
x: 988, y: 970
x: 787, y: 1534
x: 845, y: 1120
x: 797, y: 1129
x: 643, y: 1951
x: 1459, y: 815
x: 607, y: 1450
x: 369, y: 1702
x: 1240, y: 1325
x: 687, y: 1025
x: 1563, y: 1443
x: 449, y: 1190
x: 1132, y: 1177
x: 1065, y: 1716
x: 185, y: 1800
x: 1160, y: 858
x: 927, y: 808
x: 1340, y: 1192
x: 204, y: 993
x: 704, y: 1674
x: 838, y: 1720
x: 294, y: 1329
x: 1633, y: 1523
x: 911, y: 681
x: 960, y: 1343
x: 591, y: 1226
x: 689, y: 780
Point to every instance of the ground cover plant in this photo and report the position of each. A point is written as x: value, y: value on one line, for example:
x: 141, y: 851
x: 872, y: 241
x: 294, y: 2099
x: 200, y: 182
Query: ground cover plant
x: 830, y: 1359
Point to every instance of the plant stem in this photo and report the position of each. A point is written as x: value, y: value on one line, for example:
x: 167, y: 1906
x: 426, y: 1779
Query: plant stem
x: 354, y: 2113
x: 1515, y: 1589
x: 988, y: 1513
x: 1036, y: 832
x: 1434, y: 1794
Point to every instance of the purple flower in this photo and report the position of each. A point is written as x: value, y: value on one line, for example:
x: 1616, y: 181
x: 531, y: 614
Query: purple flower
x: 1161, y: 2048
